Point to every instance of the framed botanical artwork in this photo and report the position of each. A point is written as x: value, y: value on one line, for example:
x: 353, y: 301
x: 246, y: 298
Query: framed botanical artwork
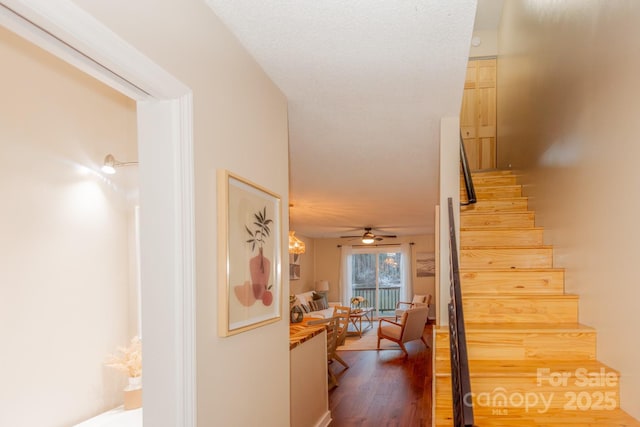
x: 425, y: 264
x: 249, y: 225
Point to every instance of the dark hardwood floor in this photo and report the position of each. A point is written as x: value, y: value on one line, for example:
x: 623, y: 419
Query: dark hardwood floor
x: 382, y: 388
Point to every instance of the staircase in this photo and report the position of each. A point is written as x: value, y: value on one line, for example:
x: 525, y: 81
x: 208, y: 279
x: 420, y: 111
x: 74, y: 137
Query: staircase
x: 531, y: 363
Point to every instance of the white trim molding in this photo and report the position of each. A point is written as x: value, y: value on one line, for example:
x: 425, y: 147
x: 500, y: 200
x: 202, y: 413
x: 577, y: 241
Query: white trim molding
x: 165, y: 128
x: 186, y: 251
x: 449, y: 187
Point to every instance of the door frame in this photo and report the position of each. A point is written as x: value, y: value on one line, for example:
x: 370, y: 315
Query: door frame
x: 165, y: 144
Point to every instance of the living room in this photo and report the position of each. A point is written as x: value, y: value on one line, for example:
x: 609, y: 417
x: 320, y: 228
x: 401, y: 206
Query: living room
x: 322, y: 261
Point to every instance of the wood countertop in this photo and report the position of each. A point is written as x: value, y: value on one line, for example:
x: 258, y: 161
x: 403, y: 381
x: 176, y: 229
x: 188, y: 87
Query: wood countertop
x: 301, y: 332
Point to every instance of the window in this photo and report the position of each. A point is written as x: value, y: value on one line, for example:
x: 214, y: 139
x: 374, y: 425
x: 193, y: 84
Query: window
x: 376, y: 275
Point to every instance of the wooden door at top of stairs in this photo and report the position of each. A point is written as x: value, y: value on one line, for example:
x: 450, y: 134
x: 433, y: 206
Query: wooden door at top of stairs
x: 478, y: 114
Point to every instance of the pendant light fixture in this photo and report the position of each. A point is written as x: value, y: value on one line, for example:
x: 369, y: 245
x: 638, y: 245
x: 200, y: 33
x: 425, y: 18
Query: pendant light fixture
x: 296, y: 246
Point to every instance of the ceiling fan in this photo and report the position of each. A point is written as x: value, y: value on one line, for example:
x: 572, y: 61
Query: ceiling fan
x: 368, y: 237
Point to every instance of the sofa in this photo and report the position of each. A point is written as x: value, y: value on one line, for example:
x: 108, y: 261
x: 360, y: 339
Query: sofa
x: 314, y: 306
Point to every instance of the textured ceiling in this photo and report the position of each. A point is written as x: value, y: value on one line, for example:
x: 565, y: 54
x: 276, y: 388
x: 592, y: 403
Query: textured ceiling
x: 367, y: 83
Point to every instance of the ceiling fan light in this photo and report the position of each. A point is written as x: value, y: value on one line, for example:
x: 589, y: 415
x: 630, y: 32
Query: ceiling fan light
x: 368, y: 238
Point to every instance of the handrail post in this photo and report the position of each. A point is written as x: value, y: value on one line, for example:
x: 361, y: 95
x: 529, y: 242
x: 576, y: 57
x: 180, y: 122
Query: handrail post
x: 466, y: 172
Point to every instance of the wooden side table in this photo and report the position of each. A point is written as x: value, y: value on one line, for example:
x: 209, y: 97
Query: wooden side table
x: 356, y: 320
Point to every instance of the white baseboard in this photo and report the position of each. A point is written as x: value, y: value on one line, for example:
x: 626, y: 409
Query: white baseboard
x: 325, y: 420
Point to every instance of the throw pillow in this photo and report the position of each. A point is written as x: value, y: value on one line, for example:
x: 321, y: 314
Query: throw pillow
x: 305, y: 307
x: 317, y: 296
x: 419, y: 299
x: 305, y: 297
x: 319, y: 304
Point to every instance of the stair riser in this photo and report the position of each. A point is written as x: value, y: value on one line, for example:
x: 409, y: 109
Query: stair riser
x: 512, y: 282
x: 489, y: 193
x: 522, y: 346
x: 505, y: 205
x: 514, y: 237
x: 491, y: 181
x: 497, y: 220
x: 483, y: 258
x: 488, y: 310
x: 491, y: 173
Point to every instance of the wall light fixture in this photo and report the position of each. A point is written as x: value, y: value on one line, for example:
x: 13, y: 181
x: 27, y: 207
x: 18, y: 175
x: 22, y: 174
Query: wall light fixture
x: 110, y: 164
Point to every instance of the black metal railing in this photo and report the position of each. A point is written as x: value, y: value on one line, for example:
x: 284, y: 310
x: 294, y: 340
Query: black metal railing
x: 388, y: 296
x: 466, y: 172
x: 460, y: 381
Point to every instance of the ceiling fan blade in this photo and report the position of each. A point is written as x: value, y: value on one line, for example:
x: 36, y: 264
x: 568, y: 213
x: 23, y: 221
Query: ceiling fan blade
x: 377, y: 237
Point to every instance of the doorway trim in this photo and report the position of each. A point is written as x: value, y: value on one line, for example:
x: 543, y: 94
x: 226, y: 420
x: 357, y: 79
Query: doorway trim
x: 165, y: 144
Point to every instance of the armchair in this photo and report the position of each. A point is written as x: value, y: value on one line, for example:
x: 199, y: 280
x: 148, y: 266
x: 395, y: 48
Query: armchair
x: 411, y: 327
x: 418, y: 300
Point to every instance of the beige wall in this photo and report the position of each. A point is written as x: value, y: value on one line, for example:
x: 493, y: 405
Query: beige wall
x: 327, y: 264
x: 65, y: 264
x: 568, y: 101
x: 240, y: 124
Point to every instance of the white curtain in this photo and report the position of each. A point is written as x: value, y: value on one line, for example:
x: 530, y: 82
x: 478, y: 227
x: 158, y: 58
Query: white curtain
x: 345, y: 274
x: 406, y: 292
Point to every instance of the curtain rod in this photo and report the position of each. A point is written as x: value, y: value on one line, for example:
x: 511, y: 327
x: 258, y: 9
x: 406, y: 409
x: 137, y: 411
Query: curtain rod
x: 378, y: 245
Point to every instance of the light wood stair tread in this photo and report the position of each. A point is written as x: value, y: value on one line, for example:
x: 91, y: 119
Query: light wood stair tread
x: 493, y: 179
x: 491, y: 280
x: 517, y: 204
x: 515, y: 248
x: 527, y: 368
x: 490, y: 191
x: 495, y: 186
x: 614, y: 418
x: 501, y: 199
x: 485, y: 213
x: 489, y: 220
x: 521, y: 327
x: 492, y: 172
x: 501, y: 229
x: 518, y: 296
x: 500, y: 270
x: 529, y: 327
